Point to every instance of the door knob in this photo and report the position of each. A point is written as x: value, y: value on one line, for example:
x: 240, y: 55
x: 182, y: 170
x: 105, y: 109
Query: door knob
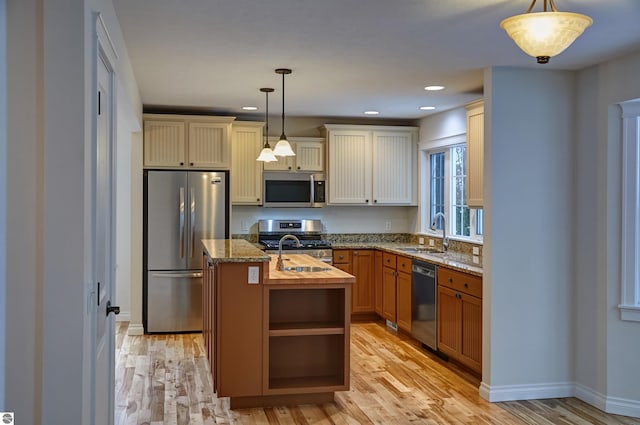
x: 112, y: 309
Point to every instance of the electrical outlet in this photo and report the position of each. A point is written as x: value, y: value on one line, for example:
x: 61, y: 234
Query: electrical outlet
x: 421, y: 241
x: 253, y: 275
x: 387, y: 225
x: 244, y: 226
x: 431, y: 242
x: 476, y: 250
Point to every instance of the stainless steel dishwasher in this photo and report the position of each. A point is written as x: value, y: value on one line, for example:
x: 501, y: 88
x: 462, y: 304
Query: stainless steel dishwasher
x: 423, y: 303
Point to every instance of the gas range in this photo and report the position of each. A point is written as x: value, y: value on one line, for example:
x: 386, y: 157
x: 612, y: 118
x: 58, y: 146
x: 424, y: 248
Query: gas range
x: 309, y: 232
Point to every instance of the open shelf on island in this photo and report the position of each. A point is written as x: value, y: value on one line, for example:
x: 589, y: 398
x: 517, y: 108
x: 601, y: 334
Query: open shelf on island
x: 306, y: 328
x: 307, y: 361
x: 312, y: 308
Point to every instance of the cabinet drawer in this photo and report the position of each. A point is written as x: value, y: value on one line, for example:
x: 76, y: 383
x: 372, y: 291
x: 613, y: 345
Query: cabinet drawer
x: 389, y: 260
x: 341, y: 256
x: 404, y: 264
x: 462, y: 282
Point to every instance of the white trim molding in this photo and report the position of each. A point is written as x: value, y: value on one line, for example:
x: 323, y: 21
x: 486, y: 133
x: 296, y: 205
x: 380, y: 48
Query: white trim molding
x: 630, y: 210
x: 135, y: 329
x: 615, y: 405
x: 526, y: 392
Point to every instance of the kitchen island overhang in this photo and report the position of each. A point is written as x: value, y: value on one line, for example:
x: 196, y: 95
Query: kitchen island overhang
x: 280, y: 339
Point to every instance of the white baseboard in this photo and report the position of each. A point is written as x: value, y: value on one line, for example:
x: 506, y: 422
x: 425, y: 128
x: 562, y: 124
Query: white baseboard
x: 135, y: 329
x: 124, y: 316
x: 615, y: 405
x: 526, y: 392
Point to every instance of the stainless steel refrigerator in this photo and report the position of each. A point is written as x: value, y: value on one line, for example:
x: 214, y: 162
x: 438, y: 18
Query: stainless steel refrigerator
x: 180, y: 209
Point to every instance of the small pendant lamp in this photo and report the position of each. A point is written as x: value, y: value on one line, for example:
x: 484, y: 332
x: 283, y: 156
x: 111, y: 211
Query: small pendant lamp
x: 266, y: 155
x: 547, y: 33
x: 283, y: 148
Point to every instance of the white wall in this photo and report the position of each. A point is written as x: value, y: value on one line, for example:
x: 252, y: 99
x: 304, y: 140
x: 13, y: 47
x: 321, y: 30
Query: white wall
x: 607, y: 348
x: 442, y: 125
x: 527, y: 266
x: 49, y: 96
x: 336, y: 219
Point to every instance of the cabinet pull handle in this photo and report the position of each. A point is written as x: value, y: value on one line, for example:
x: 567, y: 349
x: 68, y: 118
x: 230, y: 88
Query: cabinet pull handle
x: 355, y: 252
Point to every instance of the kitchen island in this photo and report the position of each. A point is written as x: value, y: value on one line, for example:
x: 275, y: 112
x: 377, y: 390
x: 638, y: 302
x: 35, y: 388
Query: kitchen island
x: 274, y: 337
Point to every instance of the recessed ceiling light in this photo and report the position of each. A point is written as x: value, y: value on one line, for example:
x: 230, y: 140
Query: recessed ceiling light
x: 371, y: 112
x: 427, y: 108
x: 250, y: 108
x: 434, y: 88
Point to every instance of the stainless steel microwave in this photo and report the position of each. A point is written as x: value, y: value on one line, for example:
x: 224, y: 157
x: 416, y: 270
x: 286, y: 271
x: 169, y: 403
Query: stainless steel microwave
x: 294, y: 190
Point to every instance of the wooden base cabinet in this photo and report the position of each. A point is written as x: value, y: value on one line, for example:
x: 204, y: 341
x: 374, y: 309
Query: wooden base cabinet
x: 396, y: 290
x: 460, y: 317
x: 359, y: 263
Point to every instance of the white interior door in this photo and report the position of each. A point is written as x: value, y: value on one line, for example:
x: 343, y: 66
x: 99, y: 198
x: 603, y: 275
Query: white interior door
x: 104, y: 251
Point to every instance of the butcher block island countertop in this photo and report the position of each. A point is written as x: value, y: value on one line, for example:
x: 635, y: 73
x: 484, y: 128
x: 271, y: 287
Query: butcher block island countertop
x: 274, y: 338
x: 332, y: 275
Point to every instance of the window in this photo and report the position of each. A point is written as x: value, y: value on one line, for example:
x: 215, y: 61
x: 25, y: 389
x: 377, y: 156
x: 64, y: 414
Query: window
x: 447, y: 194
x: 630, y: 241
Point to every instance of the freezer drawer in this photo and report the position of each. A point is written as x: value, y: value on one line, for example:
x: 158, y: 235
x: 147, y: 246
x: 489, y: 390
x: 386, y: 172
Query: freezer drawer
x: 174, y: 301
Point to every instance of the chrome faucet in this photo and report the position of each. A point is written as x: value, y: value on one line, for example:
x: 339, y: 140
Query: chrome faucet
x: 445, y: 240
x: 280, y: 264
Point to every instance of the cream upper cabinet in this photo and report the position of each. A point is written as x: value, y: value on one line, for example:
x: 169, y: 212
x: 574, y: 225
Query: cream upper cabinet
x: 164, y: 143
x: 475, y: 154
x: 371, y: 165
x: 246, y: 172
x: 309, y: 155
x: 185, y: 141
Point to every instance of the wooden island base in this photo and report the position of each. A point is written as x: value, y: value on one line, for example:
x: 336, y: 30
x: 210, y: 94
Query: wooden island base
x: 274, y: 338
x: 280, y: 400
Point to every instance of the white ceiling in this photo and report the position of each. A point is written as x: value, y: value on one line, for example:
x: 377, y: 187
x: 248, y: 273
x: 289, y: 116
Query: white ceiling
x: 347, y: 56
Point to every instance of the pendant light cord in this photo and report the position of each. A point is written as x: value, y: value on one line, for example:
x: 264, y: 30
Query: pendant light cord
x: 283, y: 135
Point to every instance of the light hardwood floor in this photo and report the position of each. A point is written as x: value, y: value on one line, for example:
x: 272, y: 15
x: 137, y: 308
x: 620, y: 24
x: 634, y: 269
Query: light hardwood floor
x: 164, y: 379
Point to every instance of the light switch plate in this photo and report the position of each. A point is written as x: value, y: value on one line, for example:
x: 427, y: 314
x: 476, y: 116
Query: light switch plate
x: 431, y: 242
x: 476, y: 250
x: 254, y: 275
x: 421, y: 240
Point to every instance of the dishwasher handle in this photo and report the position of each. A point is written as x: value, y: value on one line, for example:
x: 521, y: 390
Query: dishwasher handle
x: 422, y: 270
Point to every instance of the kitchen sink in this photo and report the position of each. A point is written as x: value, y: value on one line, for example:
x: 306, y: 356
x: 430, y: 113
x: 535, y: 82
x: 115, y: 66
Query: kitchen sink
x: 306, y: 269
x: 422, y: 250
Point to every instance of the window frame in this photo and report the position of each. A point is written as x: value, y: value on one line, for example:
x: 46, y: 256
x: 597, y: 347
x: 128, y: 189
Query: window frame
x: 424, y: 206
x: 630, y: 215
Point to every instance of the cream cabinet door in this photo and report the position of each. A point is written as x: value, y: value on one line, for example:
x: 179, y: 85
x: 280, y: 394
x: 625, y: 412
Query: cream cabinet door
x: 349, y: 177
x: 246, y: 172
x: 309, y: 156
x: 164, y: 144
x: 208, y: 145
x: 475, y: 155
x: 393, y: 167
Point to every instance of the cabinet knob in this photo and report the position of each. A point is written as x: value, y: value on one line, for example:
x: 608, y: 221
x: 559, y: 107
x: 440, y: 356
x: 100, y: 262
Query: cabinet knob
x: 182, y: 163
x: 375, y: 201
x: 450, y: 280
x: 258, y: 199
x: 341, y: 256
x: 355, y: 252
x: 466, y: 285
x: 289, y: 167
x: 191, y: 163
x: 366, y: 201
x: 298, y: 167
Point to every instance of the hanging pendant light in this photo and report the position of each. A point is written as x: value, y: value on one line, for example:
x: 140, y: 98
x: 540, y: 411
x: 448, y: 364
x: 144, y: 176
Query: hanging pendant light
x: 266, y: 155
x: 547, y: 33
x: 283, y: 148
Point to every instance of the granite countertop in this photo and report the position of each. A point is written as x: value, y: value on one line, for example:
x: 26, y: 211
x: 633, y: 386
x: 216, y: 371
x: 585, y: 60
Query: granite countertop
x: 454, y: 260
x: 233, y: 251
x: 330, y: 275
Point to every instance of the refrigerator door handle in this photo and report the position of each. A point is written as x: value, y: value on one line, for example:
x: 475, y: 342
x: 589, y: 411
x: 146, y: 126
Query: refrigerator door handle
x: 193, y: 221
x: 173, y: 274
x: 181, y: 224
